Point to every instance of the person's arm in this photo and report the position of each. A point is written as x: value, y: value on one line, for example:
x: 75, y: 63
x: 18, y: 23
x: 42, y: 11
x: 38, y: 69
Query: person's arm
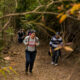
x: 60, y: 45
x: 37, y: 41
x: 25, y: 41
x: 61, y: 42
x: 50, y: 46
x: 51, y: 42
x: 50, y: 50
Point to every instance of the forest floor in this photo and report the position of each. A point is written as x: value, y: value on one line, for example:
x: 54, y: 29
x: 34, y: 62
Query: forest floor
x: 43, y: 70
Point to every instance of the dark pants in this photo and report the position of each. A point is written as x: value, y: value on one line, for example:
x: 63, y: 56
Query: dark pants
x: 30, y: 58
x: 56, y: 55
x: 20, y: 40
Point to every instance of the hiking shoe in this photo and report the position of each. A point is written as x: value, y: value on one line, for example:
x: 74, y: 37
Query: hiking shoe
x: 52, y: 63
x: 56, y: 64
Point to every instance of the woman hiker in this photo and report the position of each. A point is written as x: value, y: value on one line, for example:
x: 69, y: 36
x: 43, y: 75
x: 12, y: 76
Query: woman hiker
x: 31, y: 42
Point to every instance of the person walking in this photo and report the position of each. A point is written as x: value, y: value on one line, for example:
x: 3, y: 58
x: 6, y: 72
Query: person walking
x: 29, y: 32
x: 24, y: 33
x: 20, y: 36
x: 31, y: 42
x: 54, y: 43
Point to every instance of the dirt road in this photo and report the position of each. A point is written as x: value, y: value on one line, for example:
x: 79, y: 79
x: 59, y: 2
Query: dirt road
x: 43, y: 70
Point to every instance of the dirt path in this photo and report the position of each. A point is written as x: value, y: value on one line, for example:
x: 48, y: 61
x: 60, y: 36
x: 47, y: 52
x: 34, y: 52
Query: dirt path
x: 43, y: 70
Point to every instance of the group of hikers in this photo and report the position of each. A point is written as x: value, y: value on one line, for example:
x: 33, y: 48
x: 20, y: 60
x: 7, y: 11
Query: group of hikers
x: 32, y: 41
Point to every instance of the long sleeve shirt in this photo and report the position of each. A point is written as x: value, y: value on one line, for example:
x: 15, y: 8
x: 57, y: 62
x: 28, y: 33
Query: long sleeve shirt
x: 30, y: 43
x: 55, y: 42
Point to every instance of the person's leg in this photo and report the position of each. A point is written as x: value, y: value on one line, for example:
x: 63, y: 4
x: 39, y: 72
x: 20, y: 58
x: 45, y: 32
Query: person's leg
x: 53, y: 57
x: 27, y: 60
x: 32, y: 59
x: 18, y: 40
x: 21, y: 40
x: 57, y: 57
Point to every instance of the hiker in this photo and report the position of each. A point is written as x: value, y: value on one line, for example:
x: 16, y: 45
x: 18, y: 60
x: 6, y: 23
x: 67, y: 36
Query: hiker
x: 20, y: 36
x: 54, y: 43
x: 29, y: 32
x: 24, y: 34
x: 31, y: 42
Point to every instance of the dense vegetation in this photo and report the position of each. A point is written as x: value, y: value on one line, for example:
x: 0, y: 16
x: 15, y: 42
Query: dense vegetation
x: 46, y: 16
x: 39, y: 14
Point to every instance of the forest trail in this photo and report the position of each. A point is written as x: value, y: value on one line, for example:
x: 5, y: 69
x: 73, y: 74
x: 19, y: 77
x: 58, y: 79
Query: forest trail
x: 43, y: 70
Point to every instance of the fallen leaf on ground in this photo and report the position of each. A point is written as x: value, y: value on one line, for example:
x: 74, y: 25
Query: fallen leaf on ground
x: 7, y: 58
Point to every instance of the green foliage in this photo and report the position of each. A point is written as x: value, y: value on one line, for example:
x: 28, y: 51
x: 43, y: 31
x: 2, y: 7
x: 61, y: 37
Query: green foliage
x: 10, y: 31
x: 4, y: 6
x: 8, y: 69
x: 44, y: 2
x: 1, y: 13
x: 21, y: 6
x: 1, y: 44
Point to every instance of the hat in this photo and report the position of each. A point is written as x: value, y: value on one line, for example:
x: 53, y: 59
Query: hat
x: 32, y: 31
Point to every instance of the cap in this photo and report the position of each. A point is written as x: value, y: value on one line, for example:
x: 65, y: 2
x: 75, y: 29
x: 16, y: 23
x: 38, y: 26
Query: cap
x: 33, y: 31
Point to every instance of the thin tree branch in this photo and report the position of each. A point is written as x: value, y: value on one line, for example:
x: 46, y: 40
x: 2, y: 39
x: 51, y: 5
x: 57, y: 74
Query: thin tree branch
x: 6, y: 24
x: 53, y: 2
x: 33, y: 12
x: 38, y: 7
x: 39, y: 2
x: 50, y: 3
x: 24, y: 13
x: 41, y: 24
